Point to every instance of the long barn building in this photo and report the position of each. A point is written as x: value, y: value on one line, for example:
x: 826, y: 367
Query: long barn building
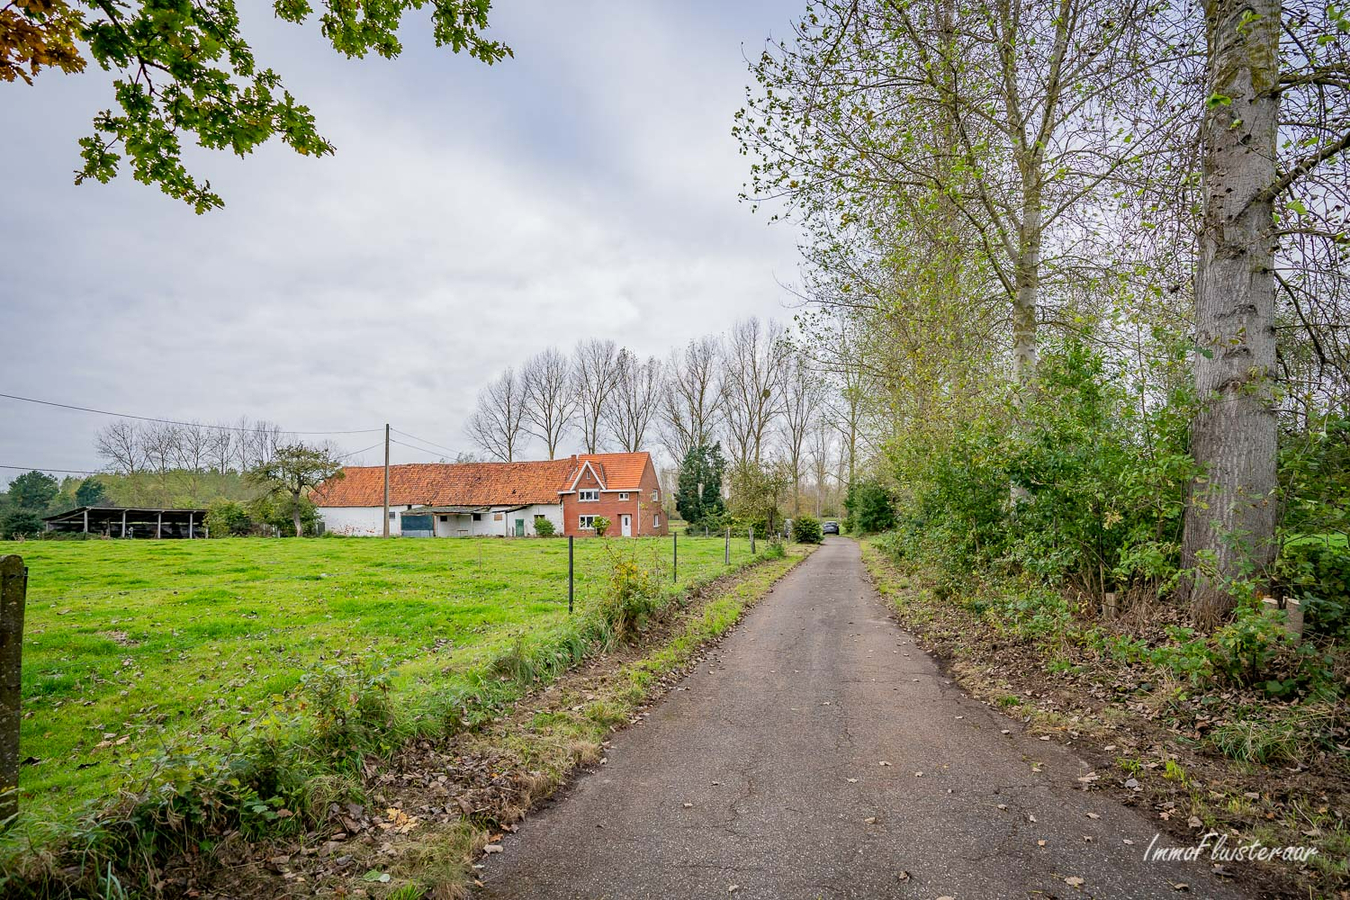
x: 497, y: 499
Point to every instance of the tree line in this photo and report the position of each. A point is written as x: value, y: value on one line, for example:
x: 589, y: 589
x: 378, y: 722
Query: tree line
x: 752, y: 393
x: 1083, y: 264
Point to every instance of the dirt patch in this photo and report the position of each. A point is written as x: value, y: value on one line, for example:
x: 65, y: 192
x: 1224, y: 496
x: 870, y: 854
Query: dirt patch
x: 1147, y: 740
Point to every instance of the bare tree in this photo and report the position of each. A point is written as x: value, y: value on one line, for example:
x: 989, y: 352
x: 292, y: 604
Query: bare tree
x: 549, y: 396
x: 753, y: 357
x: 596, y: 373
x: 634, y: 403
x: 802, y: 396
x: 119, y: 443
x: 690, y: 397
x: 497, y: 425
x: 221, y: 448
x: 820, y: 460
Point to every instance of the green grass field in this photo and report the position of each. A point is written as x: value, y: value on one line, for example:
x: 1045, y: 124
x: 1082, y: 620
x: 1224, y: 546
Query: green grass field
x: 130, y: 645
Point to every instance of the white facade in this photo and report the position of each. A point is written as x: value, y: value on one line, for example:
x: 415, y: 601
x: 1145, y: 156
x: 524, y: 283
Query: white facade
x: 366, y: 521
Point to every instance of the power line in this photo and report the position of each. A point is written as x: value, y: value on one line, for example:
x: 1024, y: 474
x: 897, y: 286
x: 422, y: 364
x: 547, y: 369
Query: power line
x: 411, y: 447
x: 61, y: 471
x: 358, y: 452
x: 425, y: 441
x: 104, y: 412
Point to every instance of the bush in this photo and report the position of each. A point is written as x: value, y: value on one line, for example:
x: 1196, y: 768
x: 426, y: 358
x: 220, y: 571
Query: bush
x: 544, y: 527
x: 1318, y: 575
x: 601, y: 525
x: 225, y: 517
x: 634, y: 594
x: 20, y: 523
x: 806, y: 530
x: 870, y: 508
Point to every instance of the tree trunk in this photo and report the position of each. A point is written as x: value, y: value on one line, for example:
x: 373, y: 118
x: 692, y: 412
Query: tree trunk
x: 1230, y: 520
x: 1028, y: 281
x: 295, y: 515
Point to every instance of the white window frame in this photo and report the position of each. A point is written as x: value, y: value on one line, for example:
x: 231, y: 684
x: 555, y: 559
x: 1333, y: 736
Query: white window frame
x: 623, y: 495
x: 586, y: 523
x: 656, y: 496
x: 656, y: 521
x: 588, y: 495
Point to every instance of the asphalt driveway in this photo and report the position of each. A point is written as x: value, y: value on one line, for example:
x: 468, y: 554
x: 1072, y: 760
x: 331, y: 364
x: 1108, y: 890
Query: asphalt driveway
x: 819, y: 754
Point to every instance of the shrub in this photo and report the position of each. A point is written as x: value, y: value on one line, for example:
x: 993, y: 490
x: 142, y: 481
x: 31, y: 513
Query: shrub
x: 633, y: 594
x: 1318, y: 574
x: 601, y: 526
x: 774, y: 550
x: 544, y: 527
x: 20, y: 523
x: 806, y: 530
x: 226, y: 517
x: 870, y: 508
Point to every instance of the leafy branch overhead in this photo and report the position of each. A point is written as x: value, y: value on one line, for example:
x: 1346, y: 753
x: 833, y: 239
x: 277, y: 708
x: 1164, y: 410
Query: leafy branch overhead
x: 183, y: 68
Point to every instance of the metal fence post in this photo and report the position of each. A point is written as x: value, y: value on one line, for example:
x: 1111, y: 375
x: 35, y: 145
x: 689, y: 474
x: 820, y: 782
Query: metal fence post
x: 13, y: 590
x: 675, y: 557
x: 571, y: 573
x: 752, y: 540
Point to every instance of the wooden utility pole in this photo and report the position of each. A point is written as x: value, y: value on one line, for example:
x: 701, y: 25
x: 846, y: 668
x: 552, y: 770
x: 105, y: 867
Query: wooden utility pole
x: 386, y: 479
x: 13, y: 588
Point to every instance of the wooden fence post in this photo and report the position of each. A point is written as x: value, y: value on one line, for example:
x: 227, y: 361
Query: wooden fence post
x: 726, y: 553
x: 13, y: 589
x: 752, y: 540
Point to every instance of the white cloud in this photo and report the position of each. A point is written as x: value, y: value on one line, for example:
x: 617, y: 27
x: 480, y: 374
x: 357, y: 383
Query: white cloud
x: 589, y: 187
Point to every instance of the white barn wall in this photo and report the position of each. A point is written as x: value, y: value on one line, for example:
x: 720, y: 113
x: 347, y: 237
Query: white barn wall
x: 366, y: 521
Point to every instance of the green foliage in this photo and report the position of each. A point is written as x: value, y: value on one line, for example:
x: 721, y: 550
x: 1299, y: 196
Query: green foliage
x: 91, y: 492
x: 226, y: 518
x: 290, y: 474
x: 870, y: 507
x: 185, y: 69
x: 774, y: 550
x: 1315, y: 476
x: 1317, y: 572
x: 33, y: 491
x: 704, y: 467
x: 757, y: 492
x: 806, y: 530
x: 544, y: 527
x: 17, y: 523
x: 601, y: 525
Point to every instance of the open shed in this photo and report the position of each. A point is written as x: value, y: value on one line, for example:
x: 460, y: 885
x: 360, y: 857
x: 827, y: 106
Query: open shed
x: 130, y: 522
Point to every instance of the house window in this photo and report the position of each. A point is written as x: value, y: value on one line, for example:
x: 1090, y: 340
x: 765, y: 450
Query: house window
x: 445, y: 518
x: 656, y: 496
x: 588, y: 495
x: 586, y: 523
x: 623, y: 495
x: 392, y: 515
x: 656, y: 521
x: 478, y: 517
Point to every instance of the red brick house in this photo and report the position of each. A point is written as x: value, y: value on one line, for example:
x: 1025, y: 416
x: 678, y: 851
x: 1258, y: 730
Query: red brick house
x: 498, y: 499
x: 621, y: 487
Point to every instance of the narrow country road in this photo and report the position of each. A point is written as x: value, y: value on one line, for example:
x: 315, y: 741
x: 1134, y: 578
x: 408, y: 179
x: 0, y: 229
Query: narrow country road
x: 788, y: 766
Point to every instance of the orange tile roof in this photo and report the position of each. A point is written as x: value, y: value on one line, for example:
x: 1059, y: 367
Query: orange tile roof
x: 476, y: 484
x: 619, y: 471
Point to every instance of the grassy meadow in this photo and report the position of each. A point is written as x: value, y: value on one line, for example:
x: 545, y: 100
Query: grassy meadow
x: 133, y: 646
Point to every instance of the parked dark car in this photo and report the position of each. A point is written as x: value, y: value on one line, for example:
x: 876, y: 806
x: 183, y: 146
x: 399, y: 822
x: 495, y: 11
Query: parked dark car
x: 829, y: 527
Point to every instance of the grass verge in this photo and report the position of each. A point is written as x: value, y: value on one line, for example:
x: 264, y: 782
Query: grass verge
x: 318, y: 770
x: 1193, y: 760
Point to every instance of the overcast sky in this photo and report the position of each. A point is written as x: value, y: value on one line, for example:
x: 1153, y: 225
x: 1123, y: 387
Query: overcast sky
x: 471, y: 216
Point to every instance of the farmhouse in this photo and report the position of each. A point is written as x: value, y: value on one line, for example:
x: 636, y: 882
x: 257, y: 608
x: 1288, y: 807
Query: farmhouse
x: 497, y: 499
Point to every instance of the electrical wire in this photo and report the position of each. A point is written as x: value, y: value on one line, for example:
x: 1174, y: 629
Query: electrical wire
x: 58, y: 471
x: 104, y: 412
x: 411, y: 447
x: 425, y: 441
